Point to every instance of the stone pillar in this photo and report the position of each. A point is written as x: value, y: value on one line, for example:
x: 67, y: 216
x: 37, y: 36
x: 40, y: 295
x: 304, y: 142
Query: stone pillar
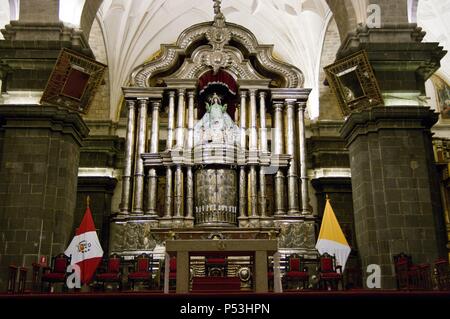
x: 40, y: 150
x: 243, y: 218
x: 253, y: 145
x: 253, y: 149
x: 140, y: 148
x: 263, y: 150
x: 180, y: 119
x: 171, y: 120
x: 179, y: 178
x: 129, y: 148
x: 243, y: 119
x: 33, y: 43
x: 292, y: 175
x: 262, y: 120
x: 189, y: 219
x: 395, y: 192
x: 277, y: 144
x: 304, y: 181
x: 395, y: 197
x: 166, y: 221
x: 152, y: 176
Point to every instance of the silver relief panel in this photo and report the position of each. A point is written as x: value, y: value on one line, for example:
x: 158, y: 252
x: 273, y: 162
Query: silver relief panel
x: 215, y: 197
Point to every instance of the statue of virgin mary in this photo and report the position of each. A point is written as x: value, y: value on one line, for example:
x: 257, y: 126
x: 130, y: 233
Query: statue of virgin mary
x: 216, y: 126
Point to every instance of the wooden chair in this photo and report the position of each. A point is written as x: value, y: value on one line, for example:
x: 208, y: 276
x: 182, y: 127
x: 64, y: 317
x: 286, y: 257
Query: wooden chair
x: 22, y: 280
x: 143, y: 271
x: 35, y: 276
x: 410, y: 276
x: 330, y: 274
x: 296, y: 272
x: 442, y: 274
x: 12, y: 276
x: 57, y: 273
x: 112, y: 274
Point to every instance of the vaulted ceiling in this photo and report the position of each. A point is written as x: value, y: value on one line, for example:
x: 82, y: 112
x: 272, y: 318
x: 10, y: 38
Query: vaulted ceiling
x: 134, y: 29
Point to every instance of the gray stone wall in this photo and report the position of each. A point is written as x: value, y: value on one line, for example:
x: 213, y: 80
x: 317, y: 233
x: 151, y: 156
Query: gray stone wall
x: 38, y: 178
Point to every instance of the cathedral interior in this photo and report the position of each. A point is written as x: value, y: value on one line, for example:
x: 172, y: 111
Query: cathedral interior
x: 227, y: 120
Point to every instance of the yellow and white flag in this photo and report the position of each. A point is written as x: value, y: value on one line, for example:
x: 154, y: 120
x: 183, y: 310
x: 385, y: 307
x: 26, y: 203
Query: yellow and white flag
x: 331, y: 238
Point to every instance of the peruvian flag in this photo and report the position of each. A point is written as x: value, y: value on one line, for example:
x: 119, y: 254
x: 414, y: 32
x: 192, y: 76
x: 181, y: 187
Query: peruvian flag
x: 85, y: 248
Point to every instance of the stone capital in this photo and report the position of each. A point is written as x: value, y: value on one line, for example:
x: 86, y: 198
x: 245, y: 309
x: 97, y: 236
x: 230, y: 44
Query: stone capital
x: 395, y: 118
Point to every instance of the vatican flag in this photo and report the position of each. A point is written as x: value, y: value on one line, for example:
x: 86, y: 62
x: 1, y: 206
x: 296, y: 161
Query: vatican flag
x: 331, y: 238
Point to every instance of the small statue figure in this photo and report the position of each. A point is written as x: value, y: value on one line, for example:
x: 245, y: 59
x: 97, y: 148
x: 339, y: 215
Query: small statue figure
x: 216, y: 126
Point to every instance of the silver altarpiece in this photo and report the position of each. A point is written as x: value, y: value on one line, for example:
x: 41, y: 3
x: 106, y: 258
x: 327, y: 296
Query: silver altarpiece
x: 215, y: 144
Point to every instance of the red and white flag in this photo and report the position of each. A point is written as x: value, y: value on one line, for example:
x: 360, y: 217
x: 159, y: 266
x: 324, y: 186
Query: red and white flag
x: 85, y: 248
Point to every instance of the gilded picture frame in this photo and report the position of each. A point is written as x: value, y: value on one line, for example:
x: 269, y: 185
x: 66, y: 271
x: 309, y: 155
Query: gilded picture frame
x: 354, y: 83
x: 73, y: 81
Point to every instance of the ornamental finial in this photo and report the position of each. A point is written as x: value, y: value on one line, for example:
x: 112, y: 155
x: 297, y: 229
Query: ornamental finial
x: 217, y: 6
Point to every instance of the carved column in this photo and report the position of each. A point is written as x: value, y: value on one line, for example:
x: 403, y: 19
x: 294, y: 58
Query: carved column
x: 168, y: 205
x: 243, y: 118
x: 242, y: 173
x: 253, y: 148
x: 253, y: 126
x: 180, y: 118
x: 306, y: 210
x: 277, y: 143
x: 152, y: 176
x: 139, y: 172
x: 263, y: 149
x: 292, y: 175
x: 189, y: 174
x: 178, y: 194
x: 129, y: 147
x: 263, y: 129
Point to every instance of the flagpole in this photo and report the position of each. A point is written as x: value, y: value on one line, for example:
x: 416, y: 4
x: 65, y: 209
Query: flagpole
x: 83, y: 285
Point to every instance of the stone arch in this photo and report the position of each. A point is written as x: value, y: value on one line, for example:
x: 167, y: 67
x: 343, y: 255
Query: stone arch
x: 345, y: 16
x: 88, y: 15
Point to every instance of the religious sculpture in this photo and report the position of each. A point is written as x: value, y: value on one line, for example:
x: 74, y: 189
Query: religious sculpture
x: 216, y: 126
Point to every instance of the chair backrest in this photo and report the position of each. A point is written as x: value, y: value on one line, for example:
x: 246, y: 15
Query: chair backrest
x: 173, y: 264
x: 327, y: 263
x: 402, y: 259
x: 216, y: 261
x: 60, y: 263
x: 295, y: 263
x: 114, y: 263
x: 143, y: 263
x: 441, y: 266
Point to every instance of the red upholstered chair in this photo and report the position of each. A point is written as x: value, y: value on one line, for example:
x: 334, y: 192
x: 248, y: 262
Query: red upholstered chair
x: 442, y: 274
x: 410, y: 276
x: 296, y: 273
x: 173, y: 272
x: 113, y: 272
x: 57, y: 273
x: 330, y: 275
x: 143, y: 271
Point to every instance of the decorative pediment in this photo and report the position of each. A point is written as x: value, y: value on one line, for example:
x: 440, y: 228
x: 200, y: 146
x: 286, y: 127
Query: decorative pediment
x: 213, y: 46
